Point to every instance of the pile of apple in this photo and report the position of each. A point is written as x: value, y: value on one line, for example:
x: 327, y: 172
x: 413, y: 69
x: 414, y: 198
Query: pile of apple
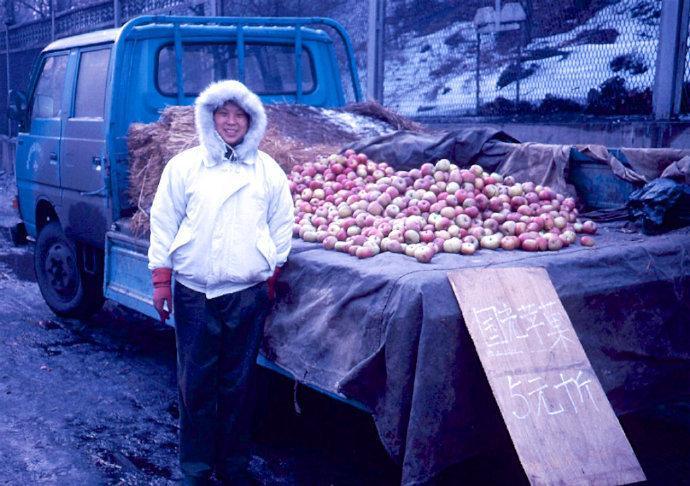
x: 355, y: 205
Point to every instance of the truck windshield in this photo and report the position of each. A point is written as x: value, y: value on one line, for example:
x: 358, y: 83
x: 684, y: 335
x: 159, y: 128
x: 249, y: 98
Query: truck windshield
x: 269, y: 69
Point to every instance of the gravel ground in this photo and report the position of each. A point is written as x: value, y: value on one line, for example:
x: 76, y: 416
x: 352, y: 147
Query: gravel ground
x: 94, y: 402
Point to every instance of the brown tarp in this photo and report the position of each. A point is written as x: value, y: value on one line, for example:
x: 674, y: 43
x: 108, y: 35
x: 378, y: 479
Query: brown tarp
x: 679, y: 171
x: 497, y: 151
x: 540, y: 163
x: 650, y: 163
x: 548, y: 164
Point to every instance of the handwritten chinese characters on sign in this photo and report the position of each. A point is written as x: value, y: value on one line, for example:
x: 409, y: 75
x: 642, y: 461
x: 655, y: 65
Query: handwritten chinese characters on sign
x: 561, y: 423
x: 534, y: 396
x: 529, y: 328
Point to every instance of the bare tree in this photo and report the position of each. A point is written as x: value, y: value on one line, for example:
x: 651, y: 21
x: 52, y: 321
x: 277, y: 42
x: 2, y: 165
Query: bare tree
x: 25, y: 10
x: 273, y: 8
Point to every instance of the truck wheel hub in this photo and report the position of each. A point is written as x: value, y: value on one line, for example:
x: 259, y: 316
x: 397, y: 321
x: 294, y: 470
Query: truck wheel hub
x: 60, y: 269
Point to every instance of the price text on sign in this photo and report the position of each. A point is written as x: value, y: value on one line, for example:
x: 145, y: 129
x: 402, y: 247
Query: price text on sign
x: 561, y: 423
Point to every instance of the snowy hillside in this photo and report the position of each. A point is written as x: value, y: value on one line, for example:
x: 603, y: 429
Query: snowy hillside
x: 620, y: 40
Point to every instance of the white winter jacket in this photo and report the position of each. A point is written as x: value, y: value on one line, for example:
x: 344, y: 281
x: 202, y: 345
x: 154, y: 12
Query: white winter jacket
x: 222, y: 224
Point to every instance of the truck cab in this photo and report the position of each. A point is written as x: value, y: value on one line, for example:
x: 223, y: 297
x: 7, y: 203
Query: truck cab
x: 72, y: 166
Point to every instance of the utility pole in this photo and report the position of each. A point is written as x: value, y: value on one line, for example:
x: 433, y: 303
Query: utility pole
x: 375, y: 53
x: 670, y: 59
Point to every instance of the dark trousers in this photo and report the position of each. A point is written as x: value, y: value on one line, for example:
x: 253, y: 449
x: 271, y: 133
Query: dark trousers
x: 217, y: 345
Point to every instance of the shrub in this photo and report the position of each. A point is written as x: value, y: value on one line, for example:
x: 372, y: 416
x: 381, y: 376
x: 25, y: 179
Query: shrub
x: 545, y: 53
x: 613, y: 98
x: 632, y: 62
x: 594, y: 36
x: 551, y: 105
x: 455, y: 39
x: 648, y: 12
x: 514, y: 72
x: 504, y: 107
x: 449, y: 66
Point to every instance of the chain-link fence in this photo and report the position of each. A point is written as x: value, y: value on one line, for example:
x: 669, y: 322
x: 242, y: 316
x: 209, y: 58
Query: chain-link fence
x: 593, y: 57
x: 444, y: 59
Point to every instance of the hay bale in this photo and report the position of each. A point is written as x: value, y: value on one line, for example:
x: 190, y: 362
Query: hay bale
x: 375, y: 110
x: 295, y: 134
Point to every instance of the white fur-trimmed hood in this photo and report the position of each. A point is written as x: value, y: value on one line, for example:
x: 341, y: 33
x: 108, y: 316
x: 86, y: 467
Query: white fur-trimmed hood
x: 213, y: 97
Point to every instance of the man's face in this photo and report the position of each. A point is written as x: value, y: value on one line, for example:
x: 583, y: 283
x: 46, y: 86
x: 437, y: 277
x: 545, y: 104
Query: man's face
x: 231, y: 123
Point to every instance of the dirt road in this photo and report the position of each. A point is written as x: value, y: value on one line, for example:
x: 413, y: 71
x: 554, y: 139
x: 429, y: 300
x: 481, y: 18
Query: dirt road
x: 94, y: 402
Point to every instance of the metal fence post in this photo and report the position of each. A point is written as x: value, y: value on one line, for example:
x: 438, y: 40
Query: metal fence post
x: 116, y: 13
x: 52, y: 20
x: 519, y: 69
x: 670, y: 62
x: 476, y: 72
x: 213, y: 8
x: 377, y: 12
x: 7, y: 74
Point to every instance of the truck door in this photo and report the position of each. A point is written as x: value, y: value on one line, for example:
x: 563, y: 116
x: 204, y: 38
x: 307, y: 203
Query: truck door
x: 38, y: 150
x: 83, y: 165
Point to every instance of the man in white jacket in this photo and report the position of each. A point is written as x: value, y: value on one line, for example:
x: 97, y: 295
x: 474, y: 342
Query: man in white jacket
x: 221, y: 223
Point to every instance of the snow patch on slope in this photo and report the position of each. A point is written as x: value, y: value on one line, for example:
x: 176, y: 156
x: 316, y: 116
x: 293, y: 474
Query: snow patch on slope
x: 576, y: 66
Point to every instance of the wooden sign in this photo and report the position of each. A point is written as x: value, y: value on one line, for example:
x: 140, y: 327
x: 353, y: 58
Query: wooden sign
x: 561, y: 423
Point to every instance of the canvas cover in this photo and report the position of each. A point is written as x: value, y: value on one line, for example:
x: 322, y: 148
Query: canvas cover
x: 387, y: 331
x: 497, y: 151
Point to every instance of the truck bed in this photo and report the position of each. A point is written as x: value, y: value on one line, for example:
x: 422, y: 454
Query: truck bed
x: 386, y: 333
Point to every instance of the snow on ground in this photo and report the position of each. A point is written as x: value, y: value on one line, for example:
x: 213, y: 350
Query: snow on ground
x: 574, y: 66
x: 363, y: 126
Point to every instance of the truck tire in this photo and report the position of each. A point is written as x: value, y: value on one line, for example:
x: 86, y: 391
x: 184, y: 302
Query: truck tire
x: 67, y: 289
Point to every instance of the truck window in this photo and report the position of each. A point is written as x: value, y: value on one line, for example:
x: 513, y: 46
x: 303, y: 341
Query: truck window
x: 268, y: 68
x: 93, y: 73
x: 47, y: 102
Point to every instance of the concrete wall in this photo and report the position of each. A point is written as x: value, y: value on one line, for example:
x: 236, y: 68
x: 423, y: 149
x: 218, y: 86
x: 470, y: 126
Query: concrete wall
x: 612, y: 133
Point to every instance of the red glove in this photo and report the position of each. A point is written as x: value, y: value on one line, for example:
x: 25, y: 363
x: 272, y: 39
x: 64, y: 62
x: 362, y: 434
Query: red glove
x: 162, y: 293
x: 272, y: 283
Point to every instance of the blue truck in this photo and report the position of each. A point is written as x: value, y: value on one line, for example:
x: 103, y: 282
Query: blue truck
x: 72, y: 167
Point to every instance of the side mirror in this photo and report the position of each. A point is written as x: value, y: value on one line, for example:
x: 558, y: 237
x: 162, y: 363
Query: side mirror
x: 18, y: 109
